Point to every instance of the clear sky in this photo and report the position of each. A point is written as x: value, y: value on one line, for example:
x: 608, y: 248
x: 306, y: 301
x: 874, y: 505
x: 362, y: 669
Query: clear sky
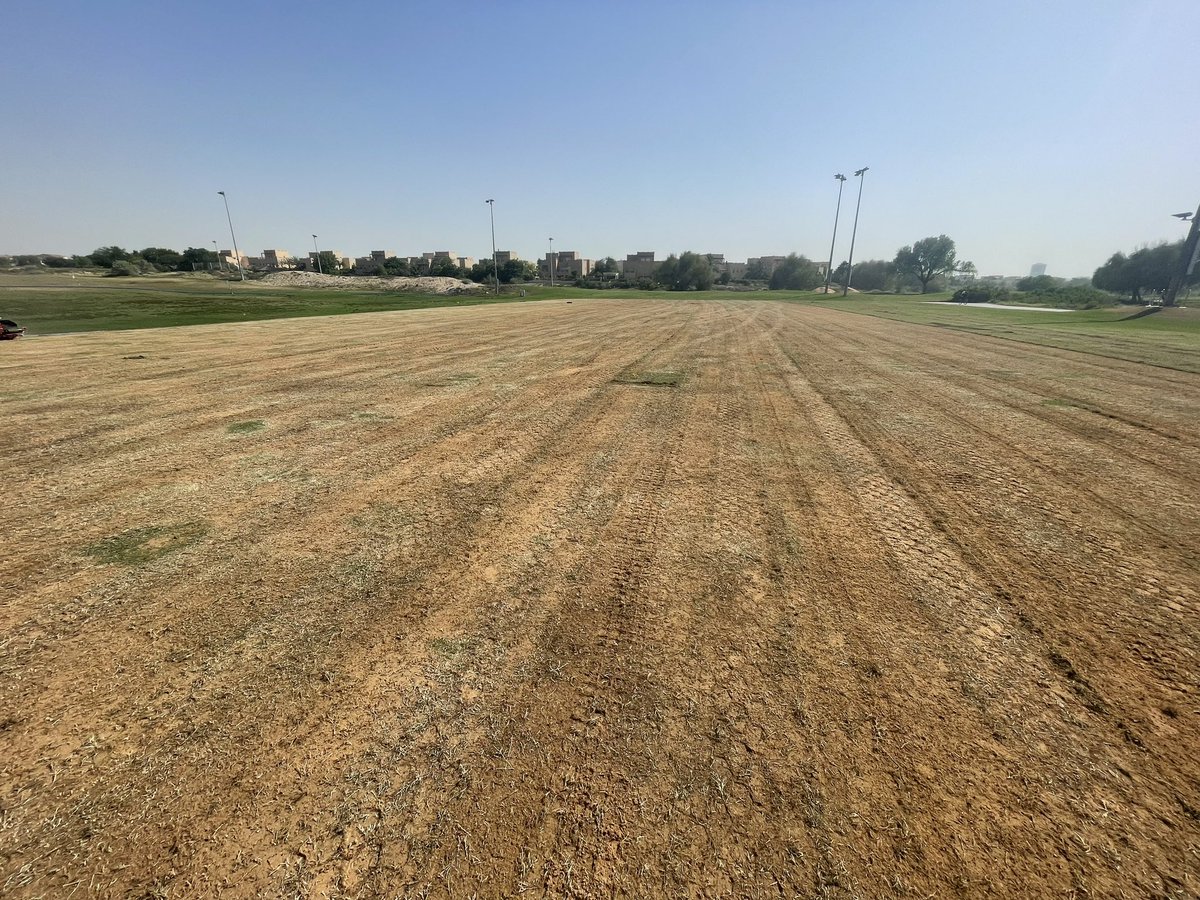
x: 1056, y: 131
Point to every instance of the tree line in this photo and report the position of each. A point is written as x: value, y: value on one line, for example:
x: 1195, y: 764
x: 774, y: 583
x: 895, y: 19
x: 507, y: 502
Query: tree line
x: 931, y: 263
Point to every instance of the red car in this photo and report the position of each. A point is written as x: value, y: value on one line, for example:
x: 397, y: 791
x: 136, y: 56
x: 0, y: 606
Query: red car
x: 10, y: 330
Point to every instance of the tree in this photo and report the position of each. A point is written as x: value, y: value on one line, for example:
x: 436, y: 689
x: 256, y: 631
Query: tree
x: 483, y: 271
x: 162, y: 258
x: 396, y: 266
x: 606, y: 266
x: 444, y: 267
x: 106, y: 256
x: 330, y: 264
x: 1037, y: 283
x: 870, y: 275
x: 517, y: 270
x: 1146, y: 269
x: 796, y: 273
x: 926, y: 259
x: 124, y: 267
x: 197, y: 259
x: 757, y: 271
x: 687, y: 272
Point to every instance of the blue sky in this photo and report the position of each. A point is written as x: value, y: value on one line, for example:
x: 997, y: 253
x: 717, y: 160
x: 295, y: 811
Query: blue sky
x: 1054, y: 132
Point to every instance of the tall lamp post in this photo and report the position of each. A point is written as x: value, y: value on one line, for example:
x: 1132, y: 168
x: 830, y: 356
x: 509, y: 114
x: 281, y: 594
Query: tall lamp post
x: 551, y: 260
x: 495, y: 259
x: 236, y: 254
x: 317, y: 251
x: 853, y: 234
x: 220, y: 265
x: 1186, y: 258
x: 829, y: 271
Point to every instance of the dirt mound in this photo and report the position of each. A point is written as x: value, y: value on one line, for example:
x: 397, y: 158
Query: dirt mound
x: 441, y: 286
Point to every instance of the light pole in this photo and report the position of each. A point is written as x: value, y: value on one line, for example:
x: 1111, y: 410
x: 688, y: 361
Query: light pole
x: 853, y: 234
x: 829, y: 271
x: 495, y: 259
x: 220, y: 266
x: 551, y: 260
x: 1187, y: 257
x: 317, y: 251
x: 236, y: 255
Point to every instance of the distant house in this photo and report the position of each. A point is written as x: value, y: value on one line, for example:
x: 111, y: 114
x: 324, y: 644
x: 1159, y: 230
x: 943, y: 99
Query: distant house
x: 568, y: 264
x: 639, y: 265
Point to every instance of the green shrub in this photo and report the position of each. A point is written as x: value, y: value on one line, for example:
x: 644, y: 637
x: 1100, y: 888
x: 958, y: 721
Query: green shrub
x: 124, y: 267
x: 980, y: 293
x: 1068, y: 298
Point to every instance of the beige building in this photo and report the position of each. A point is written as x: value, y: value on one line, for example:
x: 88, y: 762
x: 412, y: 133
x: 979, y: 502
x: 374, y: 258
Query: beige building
x: 568, y: 264
x: 639, y: 265
x: 277, y: 259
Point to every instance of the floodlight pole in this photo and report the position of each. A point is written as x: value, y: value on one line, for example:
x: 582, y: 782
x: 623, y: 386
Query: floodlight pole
x: 495, y: 259
x: 317, y: 251
x: 551, y: 260
x: 861, y: 175
x: 829, y: 270
x: 1186, y: 256
x: 236, y: 253
x: 220, y: 267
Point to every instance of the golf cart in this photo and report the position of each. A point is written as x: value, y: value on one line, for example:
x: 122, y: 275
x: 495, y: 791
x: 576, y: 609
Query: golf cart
x: 10, y: 330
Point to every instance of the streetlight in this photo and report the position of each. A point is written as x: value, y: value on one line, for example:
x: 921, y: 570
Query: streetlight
x: 220, y: 265
x: 495, y: 259
x: 1187, y: 257
x: 853, y: 234
x: 551, y: 259
x: 236, y: 254
x: 829, y: 271
x: 318, y: 254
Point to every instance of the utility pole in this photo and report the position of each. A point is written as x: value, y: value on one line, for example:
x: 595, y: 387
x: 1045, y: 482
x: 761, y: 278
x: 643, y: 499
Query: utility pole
x: 495, y: 259
x: 551, y: 261
x: 317, y: 251
x: 1187, y: 258
x: 236, y: 254
x: 861, y: 174
x: 829, y: 271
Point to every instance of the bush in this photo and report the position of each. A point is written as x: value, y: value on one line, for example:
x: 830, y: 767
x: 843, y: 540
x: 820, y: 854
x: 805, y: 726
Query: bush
x: 980, y: 293
x: 796, y: 273
x: 1068, y: 298
x: 123, y: 267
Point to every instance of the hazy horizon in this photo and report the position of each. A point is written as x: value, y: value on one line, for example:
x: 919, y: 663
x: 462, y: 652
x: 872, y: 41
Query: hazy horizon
x: 1029, y: 133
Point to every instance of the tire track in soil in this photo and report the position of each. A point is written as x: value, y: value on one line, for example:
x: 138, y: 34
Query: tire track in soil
x: 451, y: 413
x: 980, y: 618
x: 1114, y: 564
x: 1053, y: 450
x: 704, y: 640
x: 523, y: 439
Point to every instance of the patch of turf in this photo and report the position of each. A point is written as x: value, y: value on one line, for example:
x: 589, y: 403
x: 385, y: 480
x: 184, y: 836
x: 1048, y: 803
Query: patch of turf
x: 451, y: 647
x: 247, y: 427
x: 143, y: 545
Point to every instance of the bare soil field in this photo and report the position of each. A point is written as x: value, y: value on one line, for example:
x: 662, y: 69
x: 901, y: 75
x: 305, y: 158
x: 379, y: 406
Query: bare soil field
x: 594, y: 599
